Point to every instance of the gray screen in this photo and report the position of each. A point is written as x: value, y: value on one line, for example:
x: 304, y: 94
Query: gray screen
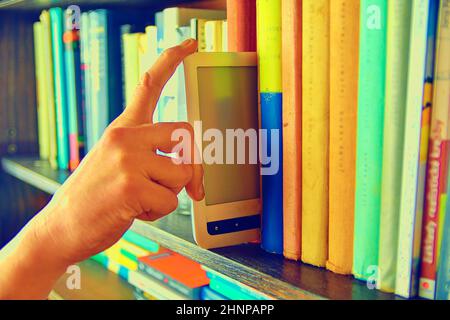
x: 228, y: 98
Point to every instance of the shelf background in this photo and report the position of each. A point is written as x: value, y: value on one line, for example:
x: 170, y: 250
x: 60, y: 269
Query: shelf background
x: 249, y: 264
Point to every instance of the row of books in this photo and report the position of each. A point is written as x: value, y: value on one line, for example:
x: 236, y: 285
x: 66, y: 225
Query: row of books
x: 157, y: 273
x: 361, y: 92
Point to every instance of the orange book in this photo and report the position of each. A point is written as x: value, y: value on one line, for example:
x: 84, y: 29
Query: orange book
x: 241, y: 17
x: 292, y: 126
x: 344, y: 40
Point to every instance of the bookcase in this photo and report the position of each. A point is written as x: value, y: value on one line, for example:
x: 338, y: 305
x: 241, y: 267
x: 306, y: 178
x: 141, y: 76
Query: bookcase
x: 270, y: 274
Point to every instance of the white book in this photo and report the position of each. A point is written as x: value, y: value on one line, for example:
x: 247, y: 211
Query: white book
x: 408, y: 221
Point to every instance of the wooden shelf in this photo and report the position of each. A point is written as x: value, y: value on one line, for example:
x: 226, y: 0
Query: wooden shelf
x: 270, y: 274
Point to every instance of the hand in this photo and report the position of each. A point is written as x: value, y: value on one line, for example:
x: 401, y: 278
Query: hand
x: 122, y: 178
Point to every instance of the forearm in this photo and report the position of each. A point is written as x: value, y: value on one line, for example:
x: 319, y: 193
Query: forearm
x: 29, y: 268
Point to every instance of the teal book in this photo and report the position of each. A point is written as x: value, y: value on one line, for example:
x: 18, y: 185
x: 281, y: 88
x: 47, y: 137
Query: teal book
x: 141, y: 241
x: 62, y: 128
x: 372, y: 67
x: 71, y: 40
x: 85, y: 58
x: 397, y: 54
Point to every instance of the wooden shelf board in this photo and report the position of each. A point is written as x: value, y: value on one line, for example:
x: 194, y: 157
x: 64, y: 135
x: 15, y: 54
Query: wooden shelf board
x: 270, y: 274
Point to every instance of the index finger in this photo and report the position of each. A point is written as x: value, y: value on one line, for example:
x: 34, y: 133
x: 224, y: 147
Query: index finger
x: 141, y: 109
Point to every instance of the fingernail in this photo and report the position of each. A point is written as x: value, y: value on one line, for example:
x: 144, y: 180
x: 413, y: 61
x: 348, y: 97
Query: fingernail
x: 187, y: 43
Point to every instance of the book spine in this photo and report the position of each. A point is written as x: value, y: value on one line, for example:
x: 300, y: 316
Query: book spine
x: 56, y: 16
x: 269, y: 57
x: 292, y: 127
x: 225, y: 36
x: 141, y: 241
x: 315, y: 131
x: 49, y: 85
x: 443, y: 276
x: 198, y: 33
x: 124, y: 30
x: 397, y: 53
x: 172, y: 283
x: 71, y: 52
x: 241, y: 17
x: 344, y: 55
x: 406, y: 283
x: 372, y: 62
x: 131, y: 61
x: 41, y: 92
x: 85, y: 62
x: 213, y: 36
x: 436, y: 186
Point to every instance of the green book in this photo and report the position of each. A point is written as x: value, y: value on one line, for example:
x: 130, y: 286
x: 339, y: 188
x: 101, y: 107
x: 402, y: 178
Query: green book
x: 41, y: 92
x: 372, y: 66
x: 398, y: 31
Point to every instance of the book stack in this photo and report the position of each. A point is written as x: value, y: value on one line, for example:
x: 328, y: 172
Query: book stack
x: 155, y: 272
x: 358, y: 92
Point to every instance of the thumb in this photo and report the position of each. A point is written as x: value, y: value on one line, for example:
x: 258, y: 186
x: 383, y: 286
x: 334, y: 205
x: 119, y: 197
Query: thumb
x: 141, y: 109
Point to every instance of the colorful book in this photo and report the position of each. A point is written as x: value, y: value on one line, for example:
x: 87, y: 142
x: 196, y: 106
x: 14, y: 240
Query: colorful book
x: 443, y: 276
x: 371, y: 89
x: 71, y: 39
x: 410, y: 222
x: 344, y: 55
x: 292, y: 127
x: 141, y: 241
x: 176, y: 271
x: 241, y: 17
x: 213, y: 36
x: 210, y: 294
x: 436, y: 186
x: 41, y: 92
x: 397, y: 57
x: 49, y: 87
x: 86, y: 80
x: 315, y: 131
x: 198, y: 33
x: 131, y: 64
x: 270, y: 85
x: 62, y: 132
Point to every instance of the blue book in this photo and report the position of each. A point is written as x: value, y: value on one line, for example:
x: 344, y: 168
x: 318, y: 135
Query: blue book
x: 272, y: 184
x: 62, y: 130
x: 209, y: 294
x: 231, y: 290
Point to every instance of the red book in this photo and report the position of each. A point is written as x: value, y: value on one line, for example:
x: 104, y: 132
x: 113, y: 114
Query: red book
x: 176, y: 271
x: 241, y: 17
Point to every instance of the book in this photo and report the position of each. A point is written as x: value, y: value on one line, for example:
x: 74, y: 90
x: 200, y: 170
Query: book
x: 176, y: 271
x: 41, y: 92
x: 148, y: 49
x: 59, y: 71
x: 86, y: 81
x: 209, y: 294
x: 131, y: 64
x: 48, y: 79
x: 270, y: 86
x: 410, y: 222
x: 344, y: 55
x: 292, y: 127
x: 315, y: 131
x: 213, y: 36
x: 198, y: 33
x: 369, y: 145
x: 231, y: 289
x: 436, y: 185
x: 443, y: 275
x: 153, y: 287
x: 141, y: 241
x: 241, y: 17
x: 397, y: 56
x: 71, y: 39
x: 225, y: 36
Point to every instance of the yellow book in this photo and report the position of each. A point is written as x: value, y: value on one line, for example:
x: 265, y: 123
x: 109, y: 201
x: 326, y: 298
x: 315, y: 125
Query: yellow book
x: 344, y: 54
x: 315, y: 128
x: 213, y: 34
x: 131, y: 64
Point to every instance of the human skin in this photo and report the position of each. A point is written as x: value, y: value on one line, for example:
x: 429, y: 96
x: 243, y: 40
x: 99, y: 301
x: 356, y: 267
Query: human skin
x: 120, y: 180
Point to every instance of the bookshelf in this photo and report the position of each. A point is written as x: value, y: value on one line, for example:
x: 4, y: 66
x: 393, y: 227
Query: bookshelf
x: 270, y: 274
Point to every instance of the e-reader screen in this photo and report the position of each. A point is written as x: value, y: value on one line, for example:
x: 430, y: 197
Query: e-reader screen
x: 228, y: 100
